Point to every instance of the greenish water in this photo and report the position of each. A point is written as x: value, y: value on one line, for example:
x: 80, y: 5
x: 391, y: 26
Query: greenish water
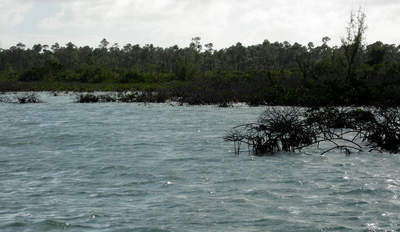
x: 158, y: 167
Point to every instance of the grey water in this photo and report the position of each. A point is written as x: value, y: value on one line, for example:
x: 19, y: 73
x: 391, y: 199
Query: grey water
x: 159, y: 167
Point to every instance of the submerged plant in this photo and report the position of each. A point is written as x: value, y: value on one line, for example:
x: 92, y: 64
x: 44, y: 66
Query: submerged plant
x: 276, y: 130
x: 292, y: 129
x: 29, y: 99
x: 5, y: 99
x: 384, y: 133
x: 88, y: 98
x: 126, y: 97
x: 91, y: 98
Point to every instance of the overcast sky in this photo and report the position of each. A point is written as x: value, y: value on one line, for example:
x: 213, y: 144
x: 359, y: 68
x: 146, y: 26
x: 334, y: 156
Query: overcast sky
x: 169, y: 22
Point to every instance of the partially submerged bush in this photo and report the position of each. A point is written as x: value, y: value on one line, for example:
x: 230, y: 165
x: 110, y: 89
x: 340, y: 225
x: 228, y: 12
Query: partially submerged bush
x: 91, y: 98
x: 283, y: 130
x: 225, y: 104
x: 88, y: 98
x: 146, y: 96
x: 385, y: 132
x: 150, y: 96
x: 276, y: 130
x: 292, y: 129
x: 337, y: 118
x: 127, y: 97
x: 29, y: 99
x: 25, y: 99
x: 5, y: 99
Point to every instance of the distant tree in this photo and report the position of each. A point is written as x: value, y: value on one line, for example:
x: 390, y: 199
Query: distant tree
x: 376, y: 53
x: 55, y: 47
x: 115, y: 47
x: 21, y: 46
x: 325, y: 40
x: 195, y: 44
x: 353, y: 42
x: 310, y: 46
x: 104, y: 44
x: 70, y: 46
x: 37, y: 48
x: 209, y: 47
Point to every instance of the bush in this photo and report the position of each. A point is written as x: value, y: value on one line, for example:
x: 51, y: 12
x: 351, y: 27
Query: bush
x: 292, y: 129
x: 5, y: 99
x: 384, y: 133
x: 28, y: 99
x: 91, y: 98
x: 276, y: 130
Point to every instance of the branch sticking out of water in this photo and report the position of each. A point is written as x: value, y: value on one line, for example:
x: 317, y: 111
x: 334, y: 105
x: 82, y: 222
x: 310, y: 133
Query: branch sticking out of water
x: 293, y: 129
x: 29, y: 99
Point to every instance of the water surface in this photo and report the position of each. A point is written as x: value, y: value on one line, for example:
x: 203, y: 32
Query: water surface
x: 159, y: 167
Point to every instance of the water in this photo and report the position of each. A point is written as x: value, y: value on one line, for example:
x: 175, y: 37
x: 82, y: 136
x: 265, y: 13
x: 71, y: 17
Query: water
x: 158, y: 167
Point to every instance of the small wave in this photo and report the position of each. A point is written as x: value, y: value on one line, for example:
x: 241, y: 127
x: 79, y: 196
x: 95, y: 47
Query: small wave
x: 115, y: 167
x: 49, y: 224
x: 361, y: 191
x: 12, y: 225
x: 268, y: 221
x: 233, y: 181
x: 263, y: 193
x: 138, y: 182
x: 356, y: 203
x: 133, y: 193
x: 149, y: 229
x: 184, y: 159
x: 336, y: 228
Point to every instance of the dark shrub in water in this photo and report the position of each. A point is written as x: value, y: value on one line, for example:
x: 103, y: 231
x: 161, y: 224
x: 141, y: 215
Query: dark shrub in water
x: 293, y: 129
x: 88, y: 98
x: 276, y: 130
x: 333, y: 117
x: 91, y: 98
x: 384, y: 133
x: 127, y: 97
x: 29, y: 99
x: 5, y: 99
x: 146, y: 96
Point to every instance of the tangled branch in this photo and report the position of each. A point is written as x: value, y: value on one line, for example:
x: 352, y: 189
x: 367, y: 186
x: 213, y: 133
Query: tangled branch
x: 293, y: 129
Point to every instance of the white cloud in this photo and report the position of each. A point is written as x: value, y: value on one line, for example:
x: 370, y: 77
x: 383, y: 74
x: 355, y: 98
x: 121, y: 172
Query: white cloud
x: 13, y: 12
x: 224, y: 22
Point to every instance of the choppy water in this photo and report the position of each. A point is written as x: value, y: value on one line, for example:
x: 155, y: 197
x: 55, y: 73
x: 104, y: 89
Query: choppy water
x: 157, y: 167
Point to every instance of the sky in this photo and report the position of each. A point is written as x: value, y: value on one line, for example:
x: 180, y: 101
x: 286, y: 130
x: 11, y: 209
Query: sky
x: 165, y: 23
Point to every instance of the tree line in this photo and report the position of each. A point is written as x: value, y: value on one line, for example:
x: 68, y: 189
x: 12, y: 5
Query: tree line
x: 273, y: 73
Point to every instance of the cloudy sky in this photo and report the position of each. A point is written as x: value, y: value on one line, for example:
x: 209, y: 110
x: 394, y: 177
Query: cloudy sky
x: 169, y: 22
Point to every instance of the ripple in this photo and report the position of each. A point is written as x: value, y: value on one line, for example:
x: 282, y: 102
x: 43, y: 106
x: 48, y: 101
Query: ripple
x: 361, y: 191
x: 12, y: 225
x: 130, y: 167
x: 148, y: 229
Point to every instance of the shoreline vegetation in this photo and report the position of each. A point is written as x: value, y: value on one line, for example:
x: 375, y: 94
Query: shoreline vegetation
x: 279, y: 73
x: 325, y: 85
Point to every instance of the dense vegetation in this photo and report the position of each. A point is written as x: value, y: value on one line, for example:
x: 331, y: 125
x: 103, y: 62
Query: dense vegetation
x: 268, y: 73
